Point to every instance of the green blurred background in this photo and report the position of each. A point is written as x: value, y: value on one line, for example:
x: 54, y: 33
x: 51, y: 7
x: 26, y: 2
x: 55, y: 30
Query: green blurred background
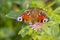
x: 11, y: 29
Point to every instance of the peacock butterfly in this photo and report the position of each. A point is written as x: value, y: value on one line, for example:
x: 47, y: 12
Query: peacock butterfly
x: 34, y: 16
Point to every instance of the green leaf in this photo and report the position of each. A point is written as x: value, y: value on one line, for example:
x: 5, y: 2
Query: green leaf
x: 47, y: 30
x: 58, y: 2
x: 58, y: 36
x: 12, y: 14
x: 24, y: 31
x: 55, y: 30
x: 51, y: 4
x: 30, y: 31
x: 57, y: 10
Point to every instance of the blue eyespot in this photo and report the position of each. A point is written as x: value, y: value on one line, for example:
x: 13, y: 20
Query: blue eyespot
x: 19, y: 18
x: 41, y: 12
x: 46, y: 20
x: 27, y: 12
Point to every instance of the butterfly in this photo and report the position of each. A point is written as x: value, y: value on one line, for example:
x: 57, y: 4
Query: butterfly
x: 34, y: 16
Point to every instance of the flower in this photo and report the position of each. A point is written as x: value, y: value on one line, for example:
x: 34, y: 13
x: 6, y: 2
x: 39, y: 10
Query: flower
x: 36, y: 26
